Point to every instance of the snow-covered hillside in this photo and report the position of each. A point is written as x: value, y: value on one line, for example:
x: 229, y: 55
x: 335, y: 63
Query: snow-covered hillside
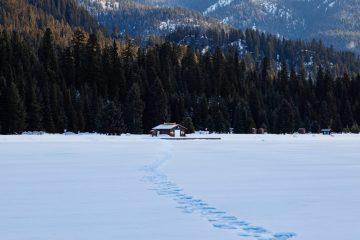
x: 219, y: 4
x: 141, y: 19
x: 138, y: 187
x: 335, y: 22
x: 95, y: 6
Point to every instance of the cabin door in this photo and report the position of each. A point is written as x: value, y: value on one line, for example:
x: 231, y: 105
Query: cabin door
x: 178, y: 133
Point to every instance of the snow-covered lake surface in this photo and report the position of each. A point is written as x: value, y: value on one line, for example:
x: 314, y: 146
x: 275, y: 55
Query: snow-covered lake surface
x: 91, y: 187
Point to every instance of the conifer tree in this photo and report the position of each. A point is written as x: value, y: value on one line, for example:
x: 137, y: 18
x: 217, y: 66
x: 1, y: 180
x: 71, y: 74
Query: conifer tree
x: 336, y: 124
x: 3, y: 90
x: 156, y: 108
x: 68, y: 67
x: 92, y: 63
x: 116, y: 85
x: 177, y: 107
x: 284, y: 119
x: 315, y: 127
x: 57, y: 109
x: 78, y: 46
x: 201, y: 112
x: 320, y: 84
x: 134, y: 110
x: 210, y: 126
x: 219, y: 71
x: 220, y: 125
x: 355, y: 128
x: 324, y: 115
x: 347, y: 115
x: 189, y: 125
x: 15, y: 112
x: 357, y: 112
x: 71, y: 116
x: 34, y: 114
x: 47, y: 53
x: 284, y: 74
x: 110, y: 119
x: 242, y: 118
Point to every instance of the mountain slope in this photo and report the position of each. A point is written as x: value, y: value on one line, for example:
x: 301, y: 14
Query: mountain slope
x: 191, y: 4
x: 30, y: 18
x: 336, y: 22
x: 137, y: 19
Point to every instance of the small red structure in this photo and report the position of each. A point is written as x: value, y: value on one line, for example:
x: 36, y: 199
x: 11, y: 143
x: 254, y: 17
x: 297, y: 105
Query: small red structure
x: 171, y: 129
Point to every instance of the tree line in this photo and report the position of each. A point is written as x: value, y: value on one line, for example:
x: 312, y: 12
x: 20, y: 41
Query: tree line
x: 84, y: 87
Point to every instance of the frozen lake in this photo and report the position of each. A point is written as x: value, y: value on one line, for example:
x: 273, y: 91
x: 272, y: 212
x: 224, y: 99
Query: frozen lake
x: 135, y: 187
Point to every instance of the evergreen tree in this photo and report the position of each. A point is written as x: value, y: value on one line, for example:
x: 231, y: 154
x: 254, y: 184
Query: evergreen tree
x: 336, y: 125
x: 347, y: 116
x: 92, y: 64
x: 15, y: 111
x: 218, y: 78
x: 201, y: 113
x: 116, y: 82
x: 134, y: 110
x: 315, y: 127
x: 284, y: 119
x: 34, y: 114
x: 47, y: 53
x: 57, y: 109
x: 78, y: 46
x: 210, y: 126
x: 156, y: 108
x: 110, y: 119
x: 48, y: 121
x: 284, y: 79
x: 324, y: 115
x: 355, y: 128
x: 71, y: 116
x: 220, y: 125
x: 3, y: 90
x: 242, y: 118
x: 357, y: 112
x: 189, y: 125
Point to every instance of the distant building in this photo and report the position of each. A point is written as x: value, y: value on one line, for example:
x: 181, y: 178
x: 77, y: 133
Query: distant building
x: 302, y: 131
x: 171, y: 129
x: 326, y: 131
x: 258, y: 130
x: 261, y: 131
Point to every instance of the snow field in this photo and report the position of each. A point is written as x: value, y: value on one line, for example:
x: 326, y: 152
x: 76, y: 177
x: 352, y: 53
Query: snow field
x: 138, y: 187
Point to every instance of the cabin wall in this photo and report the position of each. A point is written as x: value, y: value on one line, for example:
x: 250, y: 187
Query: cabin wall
x: 170, y: 132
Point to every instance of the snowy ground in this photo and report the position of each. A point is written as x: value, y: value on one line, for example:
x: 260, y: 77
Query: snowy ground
x: 56, y: 187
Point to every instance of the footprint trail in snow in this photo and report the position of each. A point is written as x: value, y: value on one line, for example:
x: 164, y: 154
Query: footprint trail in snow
x: 217, y: 218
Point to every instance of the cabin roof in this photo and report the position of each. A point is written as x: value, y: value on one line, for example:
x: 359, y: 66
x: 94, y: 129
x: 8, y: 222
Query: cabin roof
x: 167, y: 126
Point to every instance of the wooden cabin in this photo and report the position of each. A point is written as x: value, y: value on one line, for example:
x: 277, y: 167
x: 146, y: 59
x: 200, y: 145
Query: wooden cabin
x: 171, y: 129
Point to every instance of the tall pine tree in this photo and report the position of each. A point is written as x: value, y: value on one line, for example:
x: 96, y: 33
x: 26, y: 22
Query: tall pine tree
x: 134, y: 110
